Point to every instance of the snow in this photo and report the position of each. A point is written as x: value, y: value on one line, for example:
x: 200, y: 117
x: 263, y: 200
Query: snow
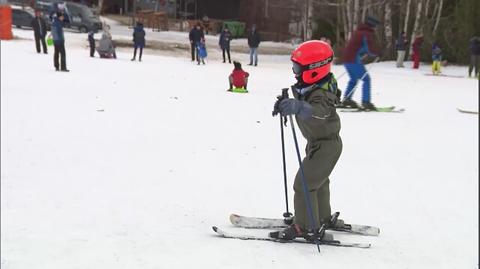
x: 122, y: 164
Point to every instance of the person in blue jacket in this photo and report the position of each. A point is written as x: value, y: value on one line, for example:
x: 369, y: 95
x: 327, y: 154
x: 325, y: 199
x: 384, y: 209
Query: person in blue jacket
x: 59, y: 43
x: 360, y: 44
x: 138, y: 40
x: 436, y: 58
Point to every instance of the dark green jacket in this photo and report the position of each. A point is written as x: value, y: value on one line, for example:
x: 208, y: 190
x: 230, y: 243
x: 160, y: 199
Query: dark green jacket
x: 325, y: 122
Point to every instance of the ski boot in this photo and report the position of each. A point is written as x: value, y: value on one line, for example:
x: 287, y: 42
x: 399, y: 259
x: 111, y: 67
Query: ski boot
x: 367, y: 106
x: 295, y: 231
x: 348, y: 103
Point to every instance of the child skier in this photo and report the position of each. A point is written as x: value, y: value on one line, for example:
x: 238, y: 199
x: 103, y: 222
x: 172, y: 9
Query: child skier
x: 315, y: 96
x: 436, y: 58
x: 238, y: 79
x: 201, y: 51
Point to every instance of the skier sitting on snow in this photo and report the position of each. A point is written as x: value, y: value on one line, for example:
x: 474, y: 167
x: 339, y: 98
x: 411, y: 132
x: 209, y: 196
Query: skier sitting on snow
x: 360, y: 44
x: 238, y: 78
x: 105, y: 47
x: 315, y: 97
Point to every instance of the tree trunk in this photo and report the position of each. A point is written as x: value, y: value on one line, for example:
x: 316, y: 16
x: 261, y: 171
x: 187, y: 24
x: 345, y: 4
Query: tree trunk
x: 438, y: 17
x: 366, y: 5
x: 337, y: 26
x: 349, y: 17
x: 100, y: 7
x: 345, y: 21
x: 407, y: 15
x: 417, y: 22
x: 427, y: 7
x: 356, y: 12
x: 388, y: 27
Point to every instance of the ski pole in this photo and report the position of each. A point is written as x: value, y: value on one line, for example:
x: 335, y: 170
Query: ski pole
x: 283, y: 120
x: 357, y: 83
x: 287, y: 215
x: 313, y: 223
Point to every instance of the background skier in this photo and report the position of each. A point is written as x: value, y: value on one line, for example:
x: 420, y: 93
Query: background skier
x: 360, y: 44
x: 436, y: 58
x: 91, y: 42
x: 401, y: 47
x: 416, y: 46
x: 315, y: 96
x: 474, y: 56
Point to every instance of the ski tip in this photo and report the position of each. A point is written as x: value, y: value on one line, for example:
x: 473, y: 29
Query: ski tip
x: 233, y: 218
x: 215, y: 228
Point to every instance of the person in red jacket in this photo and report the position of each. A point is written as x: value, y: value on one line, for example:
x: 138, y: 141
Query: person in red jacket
x: 416, y: 45
x: 238, y: 78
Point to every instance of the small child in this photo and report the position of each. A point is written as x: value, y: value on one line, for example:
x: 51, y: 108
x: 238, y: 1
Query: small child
x: 436, y: 58
x: 202, y: 51
x: 91, y: 42
x: 238, y: 79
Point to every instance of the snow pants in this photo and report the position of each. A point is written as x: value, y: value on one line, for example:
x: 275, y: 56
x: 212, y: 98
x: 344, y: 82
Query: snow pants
x: 400, y: 57
x: 436, y: 67
x: 474, y: 64
x: 318, y: 165
x: 416, y: 60
x: 357, y: 72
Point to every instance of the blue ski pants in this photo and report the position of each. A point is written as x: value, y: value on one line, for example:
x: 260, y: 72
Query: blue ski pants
x: 356, y: 71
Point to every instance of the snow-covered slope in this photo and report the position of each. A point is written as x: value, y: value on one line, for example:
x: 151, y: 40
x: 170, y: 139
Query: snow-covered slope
x: 122, y: 164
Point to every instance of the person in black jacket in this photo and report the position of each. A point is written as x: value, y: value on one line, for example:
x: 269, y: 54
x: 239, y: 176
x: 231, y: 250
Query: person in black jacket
x: 474, y: 56
x: 91, y: 42
x: 253, y: 42
x: 195, y: 35
x: 40, y: 31
x: 224, y: 42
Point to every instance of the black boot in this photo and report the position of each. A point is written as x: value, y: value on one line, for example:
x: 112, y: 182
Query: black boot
x: 368, y: 106
x: 291, y: 232
x: 348, y: 103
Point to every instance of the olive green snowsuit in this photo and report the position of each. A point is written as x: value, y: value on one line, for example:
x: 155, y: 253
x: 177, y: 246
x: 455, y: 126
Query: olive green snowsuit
x: 323, y: 149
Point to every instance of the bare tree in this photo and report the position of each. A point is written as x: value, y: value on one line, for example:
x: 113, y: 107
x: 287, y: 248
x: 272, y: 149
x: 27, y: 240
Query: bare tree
x: 349, y: 17
x: 407, y: 15
x: 416, y: 24
x: 100, y: 6
x: 356, y: 12
x: 366, y: 5
x: 388, y: 26
x: 438, y: 17
x: 345, y: 22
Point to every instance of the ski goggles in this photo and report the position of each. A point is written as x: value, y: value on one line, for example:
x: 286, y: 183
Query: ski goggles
x: 298, y: 69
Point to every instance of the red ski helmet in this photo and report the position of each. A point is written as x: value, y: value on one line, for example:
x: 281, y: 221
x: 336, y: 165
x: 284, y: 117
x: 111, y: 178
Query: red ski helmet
x: 312, y: 61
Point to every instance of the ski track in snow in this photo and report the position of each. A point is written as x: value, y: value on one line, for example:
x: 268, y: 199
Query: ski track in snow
x: 122, y: 164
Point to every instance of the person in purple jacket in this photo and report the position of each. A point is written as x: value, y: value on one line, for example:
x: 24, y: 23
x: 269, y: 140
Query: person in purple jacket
x: 360, y: 44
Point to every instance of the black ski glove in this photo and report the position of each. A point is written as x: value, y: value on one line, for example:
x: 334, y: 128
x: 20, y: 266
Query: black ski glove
x: 292, y: 106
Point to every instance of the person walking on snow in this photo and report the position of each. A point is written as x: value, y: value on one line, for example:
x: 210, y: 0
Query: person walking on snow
x: 474, y: 56
x: 315, y: 96
x: 224, y: 42
x: 238, y: 78
x: 40, y: 31
x: 401, y: 47
x: 91, y: 43
x: 59, y: 43
x: 416, y: 46
x: 436, y: 58
x: 253, y: 43
x: 138, y: 41
x: 360, y: 44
